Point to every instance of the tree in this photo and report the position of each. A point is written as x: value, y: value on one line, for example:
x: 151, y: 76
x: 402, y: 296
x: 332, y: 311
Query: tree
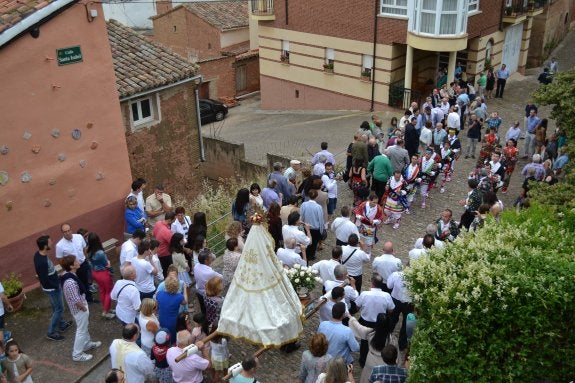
x: 561, y: 94
x: 497, y: 305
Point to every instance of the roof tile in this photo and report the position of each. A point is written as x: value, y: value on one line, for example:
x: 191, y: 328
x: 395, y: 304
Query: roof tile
x: 13, y: 11
x: 141, y: 64
x: 224, y: 14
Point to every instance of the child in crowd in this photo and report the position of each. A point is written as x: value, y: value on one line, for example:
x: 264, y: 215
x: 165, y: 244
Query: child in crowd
x: 158, y: 278
x: 17, y: 365
x: 159, y: 350
x: 200, y: 331
x: 220, y: 356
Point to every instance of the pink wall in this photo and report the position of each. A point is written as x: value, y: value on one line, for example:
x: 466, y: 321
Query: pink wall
x: 39, y: 96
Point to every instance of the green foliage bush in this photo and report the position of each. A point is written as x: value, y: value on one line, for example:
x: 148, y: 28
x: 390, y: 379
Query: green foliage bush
x: 498, y: 305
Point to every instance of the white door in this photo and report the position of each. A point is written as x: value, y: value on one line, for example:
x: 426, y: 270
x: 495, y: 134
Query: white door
x: 512, y: 47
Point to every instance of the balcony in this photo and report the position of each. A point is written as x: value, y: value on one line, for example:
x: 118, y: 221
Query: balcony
x: 517, y: 11
x: 262, y: 10
x: 439, y: 25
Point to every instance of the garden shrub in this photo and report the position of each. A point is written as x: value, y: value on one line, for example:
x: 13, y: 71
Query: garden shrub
x: 498, y: 305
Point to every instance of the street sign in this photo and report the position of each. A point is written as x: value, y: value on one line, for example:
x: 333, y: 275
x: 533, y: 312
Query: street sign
x: 70, y: 55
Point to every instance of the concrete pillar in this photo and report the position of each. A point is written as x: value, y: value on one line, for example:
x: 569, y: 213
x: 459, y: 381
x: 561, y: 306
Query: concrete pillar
x: 451, y: 67
x: 408, y: 76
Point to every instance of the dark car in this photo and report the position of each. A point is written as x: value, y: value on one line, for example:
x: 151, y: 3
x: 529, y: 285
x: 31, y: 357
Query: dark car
x: 211, y: 110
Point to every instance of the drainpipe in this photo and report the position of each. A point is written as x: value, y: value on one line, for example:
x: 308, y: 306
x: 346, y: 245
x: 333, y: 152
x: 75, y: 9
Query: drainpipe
x: 201, y: 138
x: 374, y: 48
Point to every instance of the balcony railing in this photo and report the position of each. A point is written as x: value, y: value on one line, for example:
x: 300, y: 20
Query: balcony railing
x: 516, y: 11
x: 262, y: 9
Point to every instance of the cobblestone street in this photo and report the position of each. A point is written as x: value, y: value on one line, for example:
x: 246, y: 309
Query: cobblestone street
x: 297, y: 135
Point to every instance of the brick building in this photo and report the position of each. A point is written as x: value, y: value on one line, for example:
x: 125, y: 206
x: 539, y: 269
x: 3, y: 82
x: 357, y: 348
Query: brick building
x: 64, y: 154
x: 215, y: 35
x: 549, y: 28
x: 158, y: 101
x: 365, y: 55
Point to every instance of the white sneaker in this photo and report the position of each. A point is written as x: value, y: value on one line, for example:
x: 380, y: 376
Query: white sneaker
x: 93, y: 345
x: 442, y: 190
x: 82, y: 358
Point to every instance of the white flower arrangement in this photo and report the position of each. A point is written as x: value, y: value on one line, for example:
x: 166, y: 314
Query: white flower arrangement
x: 303, y: 276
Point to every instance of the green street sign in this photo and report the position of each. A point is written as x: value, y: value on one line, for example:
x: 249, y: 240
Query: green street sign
x: 70, y: 55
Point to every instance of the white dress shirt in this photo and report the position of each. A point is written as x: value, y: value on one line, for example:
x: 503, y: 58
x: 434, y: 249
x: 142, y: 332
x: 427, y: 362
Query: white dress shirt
x: 350, y: 294
x: 73, y: 247
x: 203, y: 274
x: 330, y: 185
x: 137, y: 365
x: 128, y: 251
x: 290, y: 231
x: 373, y: 302
x: 326, y: 268
x: 398, y: 288
x: 325, y: 309
x: 127, y: 295
x: 355, y: 263
x: 416, y: 253
x: 343, y: 228
x: 386, y: 264
x: 289, y: 257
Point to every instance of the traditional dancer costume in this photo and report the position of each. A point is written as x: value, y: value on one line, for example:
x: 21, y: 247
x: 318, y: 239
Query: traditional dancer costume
x: 509, y: 160
x: 428, y: 174
x: 368, y: 217
x: 447, y: 159
x: 396, y: 201
x: 411, y: 177
x: 488, y: 147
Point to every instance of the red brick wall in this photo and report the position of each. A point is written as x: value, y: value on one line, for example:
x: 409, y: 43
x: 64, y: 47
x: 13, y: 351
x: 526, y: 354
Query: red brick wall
x: 487, y: 21
x: 280, y: 94
x: 163, y: 6
x: 222, y: 75
x: 549, y: 28
x: 192, y: 36
x: 169, y: 152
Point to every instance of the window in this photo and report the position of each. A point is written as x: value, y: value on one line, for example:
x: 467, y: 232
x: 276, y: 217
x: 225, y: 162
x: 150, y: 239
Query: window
x: 285, y: 51
x: 366, y: 65
x: 473, y: 6
x: 394, y: 7
x: 438, y: 17
x: 144, y: 111
x: 488, y: 50
x: 329, y: 55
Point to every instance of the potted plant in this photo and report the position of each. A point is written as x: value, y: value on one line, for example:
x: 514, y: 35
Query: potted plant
x: 13, y: 288
x: 328, y: 67
x: 284, y: 57
x: 303, y: 279
x: 366, y: 74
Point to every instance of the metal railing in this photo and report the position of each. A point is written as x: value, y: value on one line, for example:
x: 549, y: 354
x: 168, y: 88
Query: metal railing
x: 262, y: 7
x: 401, y: 97
x: 217, y: 241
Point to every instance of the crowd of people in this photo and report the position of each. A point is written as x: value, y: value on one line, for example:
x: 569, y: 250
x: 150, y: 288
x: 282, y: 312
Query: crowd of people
x: 165, y: 263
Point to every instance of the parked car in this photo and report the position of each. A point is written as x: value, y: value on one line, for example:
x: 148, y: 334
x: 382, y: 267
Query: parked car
x: 212, y: 110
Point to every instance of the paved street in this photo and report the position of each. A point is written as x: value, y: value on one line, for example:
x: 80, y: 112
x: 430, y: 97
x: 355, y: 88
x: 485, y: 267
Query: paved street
x: 295, y: 134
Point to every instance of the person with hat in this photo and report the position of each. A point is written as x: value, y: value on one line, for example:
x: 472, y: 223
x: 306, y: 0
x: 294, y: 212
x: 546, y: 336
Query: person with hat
x: 162, y: 370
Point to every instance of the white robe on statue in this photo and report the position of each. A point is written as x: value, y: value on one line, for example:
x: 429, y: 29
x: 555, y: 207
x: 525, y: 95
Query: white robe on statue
x: 261, y: 305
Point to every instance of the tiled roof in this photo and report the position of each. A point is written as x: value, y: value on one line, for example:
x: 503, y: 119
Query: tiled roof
x: 14, y: 11
x: 224, y: 15
x: 141, y: 64
x: 249, y: 54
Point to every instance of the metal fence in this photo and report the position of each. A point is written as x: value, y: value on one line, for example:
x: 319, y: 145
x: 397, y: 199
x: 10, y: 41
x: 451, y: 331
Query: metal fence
x: 402, y: 97
x: 217, y: 239
x: 262, y: 7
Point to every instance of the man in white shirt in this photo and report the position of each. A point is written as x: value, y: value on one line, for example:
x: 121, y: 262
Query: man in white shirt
x: 353, y: 257
x: 428, y: 242
x: 332, y: 297
x: 291, y: 230
x: 386, y: 264
x: 138, y: 187
x: 203, y: 272
x: 74, y: 244
x: 326, y: 267
x: 343, y: 227
x: 402, y: 300
x: 127, y: 296
x: 145, y: 270
x: 288, y: 256
x: 127, y: 356
x: 453, y: 118
x: 372, y: 303
x: 129, y: 249
x: 329, y: 181
x: 341, y: 276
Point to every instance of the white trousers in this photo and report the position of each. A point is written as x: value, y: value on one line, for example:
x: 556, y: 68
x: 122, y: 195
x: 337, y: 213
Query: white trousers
x: 82, y: 335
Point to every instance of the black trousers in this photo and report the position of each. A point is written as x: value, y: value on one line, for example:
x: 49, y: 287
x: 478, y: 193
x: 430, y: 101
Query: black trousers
x: 500, y: 87
x: 358, y: 281
x: 364, y: 345
x: 84, y: 274
x: 401, y: 308
x: 379, y: 188
x: 312, y: 248
x: 165, y: 261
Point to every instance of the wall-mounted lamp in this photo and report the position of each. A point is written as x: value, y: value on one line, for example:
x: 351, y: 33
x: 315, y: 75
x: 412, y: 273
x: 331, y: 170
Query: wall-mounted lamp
x: 35, y: 32
x: 91, y: 14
